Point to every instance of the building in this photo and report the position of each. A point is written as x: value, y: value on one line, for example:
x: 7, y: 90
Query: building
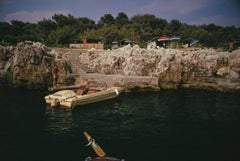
x: 88, y: 44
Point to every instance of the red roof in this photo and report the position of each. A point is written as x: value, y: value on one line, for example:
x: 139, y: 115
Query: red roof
x: 164, y: 38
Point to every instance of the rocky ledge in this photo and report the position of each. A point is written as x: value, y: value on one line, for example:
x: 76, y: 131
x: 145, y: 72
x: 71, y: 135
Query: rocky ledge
x: 196, y: 68
x: 30, y: 66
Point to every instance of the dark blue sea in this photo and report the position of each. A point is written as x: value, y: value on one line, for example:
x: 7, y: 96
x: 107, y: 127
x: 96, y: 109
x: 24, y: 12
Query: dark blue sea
x: 171, y: 125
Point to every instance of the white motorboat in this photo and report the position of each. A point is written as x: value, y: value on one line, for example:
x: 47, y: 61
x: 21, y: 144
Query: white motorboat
x: 70, y: 98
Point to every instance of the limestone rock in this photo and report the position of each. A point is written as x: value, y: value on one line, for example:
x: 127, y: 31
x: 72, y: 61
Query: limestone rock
x: 203, y: 68
x: 29, y: 65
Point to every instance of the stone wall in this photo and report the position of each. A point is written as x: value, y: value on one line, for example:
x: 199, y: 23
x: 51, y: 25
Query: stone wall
x: 87, y: 46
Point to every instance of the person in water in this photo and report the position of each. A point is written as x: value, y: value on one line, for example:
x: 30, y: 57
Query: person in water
x: 55, y: 74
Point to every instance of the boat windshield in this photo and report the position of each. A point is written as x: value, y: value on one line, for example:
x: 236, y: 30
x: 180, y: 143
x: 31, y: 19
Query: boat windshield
x: 65, y: 93
x: 56, y: 94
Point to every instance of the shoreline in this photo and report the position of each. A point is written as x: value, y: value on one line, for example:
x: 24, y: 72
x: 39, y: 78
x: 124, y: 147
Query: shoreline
x: 134, y: 68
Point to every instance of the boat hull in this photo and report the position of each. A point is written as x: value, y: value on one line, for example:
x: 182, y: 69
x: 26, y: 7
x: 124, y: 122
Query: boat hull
x: 79, y: 100
x: 96, y: 97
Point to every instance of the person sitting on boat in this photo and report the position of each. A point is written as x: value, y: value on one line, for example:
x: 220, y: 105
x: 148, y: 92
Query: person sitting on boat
x: 85, y: 90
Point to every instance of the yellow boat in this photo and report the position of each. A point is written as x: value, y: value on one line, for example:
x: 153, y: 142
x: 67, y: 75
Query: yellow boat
x: 98, y: 150
x: 70, y: 98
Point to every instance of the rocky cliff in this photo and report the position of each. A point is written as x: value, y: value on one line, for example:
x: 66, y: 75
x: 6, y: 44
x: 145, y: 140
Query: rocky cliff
x: 29, y: 65
x: 199, y: 68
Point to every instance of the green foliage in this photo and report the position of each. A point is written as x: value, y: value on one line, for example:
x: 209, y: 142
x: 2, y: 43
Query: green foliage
x: 172, y: 28
x: 45, y: 27
x: 62, y: 35
x: 64, y: 29
x: 6, y: 31
x: 62, y: 20
x: 106, y: 20
x: 121, y: 20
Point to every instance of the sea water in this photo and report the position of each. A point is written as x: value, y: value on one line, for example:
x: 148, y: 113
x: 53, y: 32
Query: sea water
x: 171, y: 125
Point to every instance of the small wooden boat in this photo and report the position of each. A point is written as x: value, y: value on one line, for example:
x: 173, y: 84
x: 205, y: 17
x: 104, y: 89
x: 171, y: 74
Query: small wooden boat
x: 71, y: 99
x: 98, y: 150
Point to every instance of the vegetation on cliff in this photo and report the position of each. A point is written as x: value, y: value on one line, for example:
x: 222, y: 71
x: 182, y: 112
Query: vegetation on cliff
x: 65, y: 29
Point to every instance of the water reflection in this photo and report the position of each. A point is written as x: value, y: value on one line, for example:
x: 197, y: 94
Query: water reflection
x: 59, y: 121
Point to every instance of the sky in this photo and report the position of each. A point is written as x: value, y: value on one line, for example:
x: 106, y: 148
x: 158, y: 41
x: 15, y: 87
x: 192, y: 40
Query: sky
x: 198, y: 12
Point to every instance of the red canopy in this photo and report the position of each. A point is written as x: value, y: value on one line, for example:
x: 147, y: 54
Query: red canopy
x: 164, y: 38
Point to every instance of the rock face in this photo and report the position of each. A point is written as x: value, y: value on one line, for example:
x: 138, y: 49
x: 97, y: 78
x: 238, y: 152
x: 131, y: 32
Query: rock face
x: 29, y: 65
x: 203, y: 68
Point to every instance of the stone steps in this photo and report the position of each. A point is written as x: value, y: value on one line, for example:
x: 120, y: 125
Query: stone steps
x: 79, y: 67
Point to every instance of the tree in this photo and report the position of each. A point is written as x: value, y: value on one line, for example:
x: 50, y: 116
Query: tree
x: 63, y: 20
x: 106, y: 20
x: 121, y: 20
x: 23, y: 31
x: 173, y: 28
x: 17, y: 27
x: 45, y: 27
x: 159, y: 26
x: 85, y: 23
x: 146, y: 26
x: 64, y: 29
x: 6, y: 34
x: 62, y: 35
x: 128, y: 31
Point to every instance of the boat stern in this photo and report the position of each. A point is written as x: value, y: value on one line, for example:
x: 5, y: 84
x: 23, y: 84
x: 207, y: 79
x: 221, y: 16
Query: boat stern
x: 118, y: 90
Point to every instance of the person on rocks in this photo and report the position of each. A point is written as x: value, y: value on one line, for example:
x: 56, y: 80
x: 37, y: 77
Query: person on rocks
x: 55, y: 74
